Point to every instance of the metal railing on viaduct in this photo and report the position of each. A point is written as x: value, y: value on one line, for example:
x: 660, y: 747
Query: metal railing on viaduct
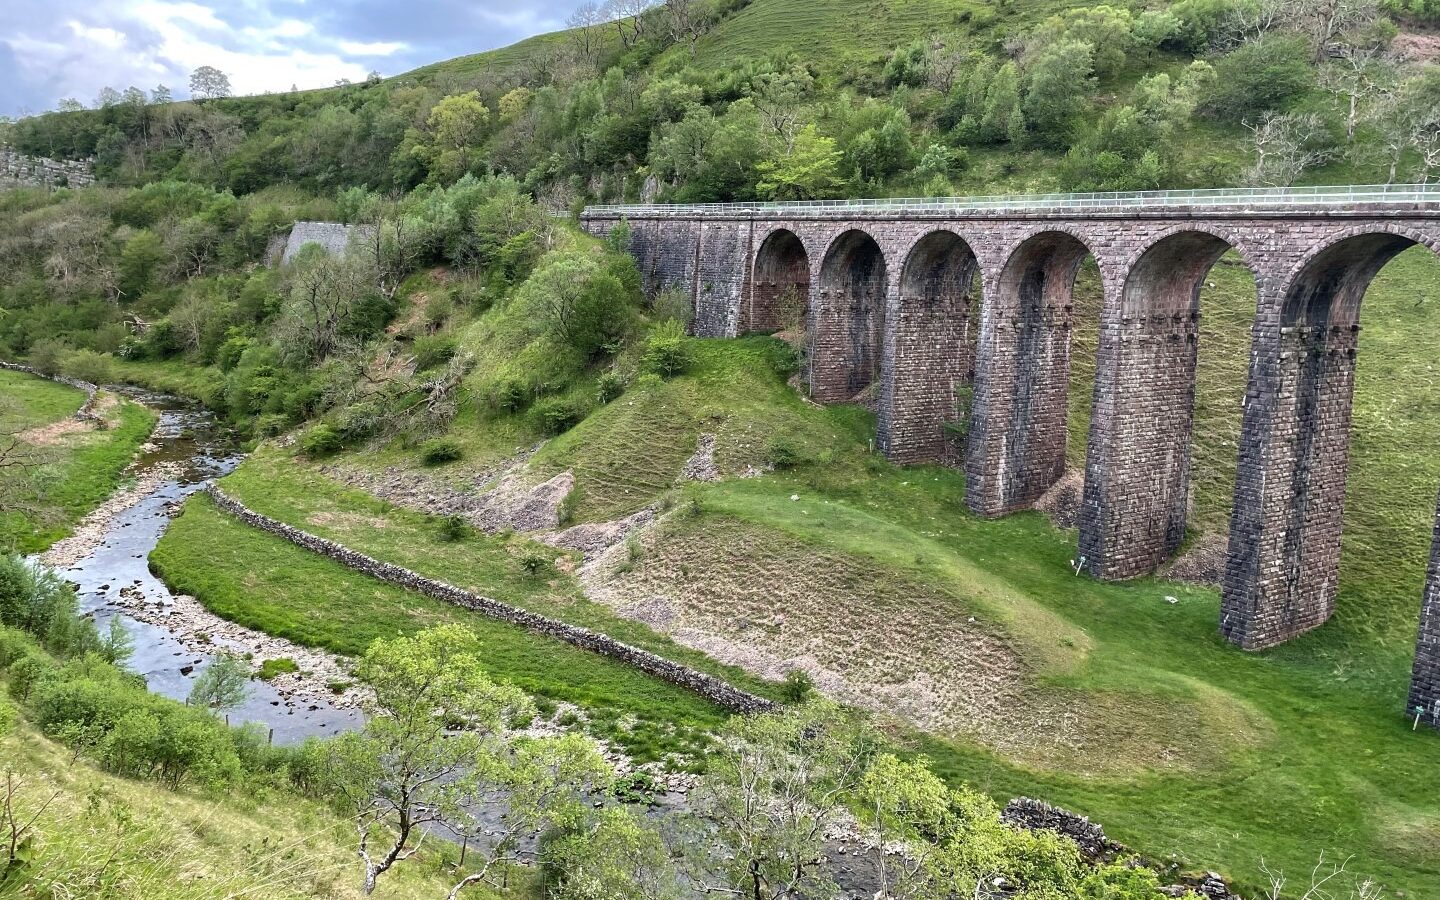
x: 962, y: 308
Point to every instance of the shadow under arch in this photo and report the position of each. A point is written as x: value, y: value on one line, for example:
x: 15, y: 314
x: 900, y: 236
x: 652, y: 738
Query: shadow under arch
x: 779, y: 295
x: 847, y: 318
x: 1016, y: 446
x: 1138, y: 458
x: 929, y: 349
x: 1283, y: 565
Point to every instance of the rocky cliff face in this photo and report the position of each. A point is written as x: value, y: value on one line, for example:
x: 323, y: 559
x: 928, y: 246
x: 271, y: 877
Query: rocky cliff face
x: 20, y: 170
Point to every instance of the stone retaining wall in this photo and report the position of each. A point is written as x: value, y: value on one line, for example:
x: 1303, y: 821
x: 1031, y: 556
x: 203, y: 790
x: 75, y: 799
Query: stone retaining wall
x: 707, y: 686
x: 20, y: 170
x: 86, y: 412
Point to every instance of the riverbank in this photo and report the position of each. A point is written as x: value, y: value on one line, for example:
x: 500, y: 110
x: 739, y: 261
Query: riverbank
x: 74, y: 450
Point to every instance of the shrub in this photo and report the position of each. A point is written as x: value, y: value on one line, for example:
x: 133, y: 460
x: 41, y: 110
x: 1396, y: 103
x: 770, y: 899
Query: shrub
x: 434, y: 350
x: 798, y: 686
x: 535, y: 564
x: 454, y: 529
x: 7, y: 716
x: 558, y: 415
x: 782, y: 453
x: 87, y: 365
x: 667, y: 350
x: 610, y: 386
x: 1259, y: 76
x: 438, y: 451
x: 321, y: 440
x: 510, y: 396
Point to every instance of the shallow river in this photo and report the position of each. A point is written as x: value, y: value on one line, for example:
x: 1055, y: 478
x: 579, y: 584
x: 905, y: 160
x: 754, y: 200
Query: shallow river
x: 188, y: 440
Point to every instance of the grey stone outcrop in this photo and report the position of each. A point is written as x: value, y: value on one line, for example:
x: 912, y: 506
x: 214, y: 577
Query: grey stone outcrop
x: 21, y: 170
x: 716, y: 690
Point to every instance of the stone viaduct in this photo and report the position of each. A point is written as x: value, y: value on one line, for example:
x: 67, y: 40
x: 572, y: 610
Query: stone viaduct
x: 961, y: 310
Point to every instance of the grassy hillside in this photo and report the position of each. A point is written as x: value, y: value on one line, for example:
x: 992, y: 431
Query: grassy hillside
x: 973, y: 638
x: 108, y: 836
x: 69, y: 467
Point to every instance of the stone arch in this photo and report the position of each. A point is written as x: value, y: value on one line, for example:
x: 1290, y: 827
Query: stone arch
x: 1137, y: 469
x: 847, y: 318
x: 779, y: 278
x: 929, y: 352
x: 1283, y: 566
x: 1016, y: 447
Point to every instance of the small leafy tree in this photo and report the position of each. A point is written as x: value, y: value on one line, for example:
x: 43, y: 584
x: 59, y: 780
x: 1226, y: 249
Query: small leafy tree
x: 776, y: 782
x: 209, y: 83
x: 811, y: 171
x: 221, y: 685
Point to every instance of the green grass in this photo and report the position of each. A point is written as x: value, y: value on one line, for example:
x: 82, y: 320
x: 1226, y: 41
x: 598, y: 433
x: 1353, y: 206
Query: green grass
x: 266, y: 583
x: 274, y: 484
x: 1334, y: 767
x: 79, y: 472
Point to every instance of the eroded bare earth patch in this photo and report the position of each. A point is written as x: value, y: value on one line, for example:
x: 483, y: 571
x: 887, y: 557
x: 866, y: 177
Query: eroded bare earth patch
x: 877, y: 639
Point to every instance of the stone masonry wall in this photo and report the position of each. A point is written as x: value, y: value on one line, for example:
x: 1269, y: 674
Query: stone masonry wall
x: 1425, y: 682
x: 1283, y: 562
x: 929, y: 354
x: 86, y: 412
x: 20, y: 170
x: 714, y: 689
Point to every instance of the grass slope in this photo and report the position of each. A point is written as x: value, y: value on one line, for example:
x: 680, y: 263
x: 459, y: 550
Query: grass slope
x: 79, y: 470
x: 105, y: 836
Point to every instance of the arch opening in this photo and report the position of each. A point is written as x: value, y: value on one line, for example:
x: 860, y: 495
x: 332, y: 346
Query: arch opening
x: 780, y: 286
x: 1283, y: 567
x: 848, y: 319
x: 1137, y: 495
x: 929, y: 352
x: 1018, y: 427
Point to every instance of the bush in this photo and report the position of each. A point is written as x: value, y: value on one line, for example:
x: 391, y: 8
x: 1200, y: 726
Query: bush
x: 510, y: 396
x: 454, y: 529
x: 321, y: 440
x: 271, y: 668
x: 667, y: 350
x: 610, y: 386
x: 782, y: 453
x: 7, y: 716
x: 87, y: 365
x: 434, y: 350
x: 439, y: 451
x: 535, y: 564
x: 557, y: 415
x: 1260, y: 76
x: 798, y: 686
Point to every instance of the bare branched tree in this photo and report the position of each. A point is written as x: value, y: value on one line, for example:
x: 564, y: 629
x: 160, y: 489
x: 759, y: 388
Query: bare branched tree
x: 585, y: 35
x: 1286, y: 146
x: 1328, y: 881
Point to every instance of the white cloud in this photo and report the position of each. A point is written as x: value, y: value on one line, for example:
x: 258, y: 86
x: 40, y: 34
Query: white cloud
x: 51, y: 49
x: 372, y: 48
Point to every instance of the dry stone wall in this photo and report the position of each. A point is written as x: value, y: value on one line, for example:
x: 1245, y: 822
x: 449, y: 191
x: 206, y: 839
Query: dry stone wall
x: 19, y: 170
x: 1311, y: 266
x: 86, y: 412
x: 714, y: 689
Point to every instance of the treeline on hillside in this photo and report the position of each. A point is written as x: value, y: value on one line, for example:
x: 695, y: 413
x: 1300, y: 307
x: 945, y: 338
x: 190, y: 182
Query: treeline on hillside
x: 98, y: 280
x: 1200, y: 92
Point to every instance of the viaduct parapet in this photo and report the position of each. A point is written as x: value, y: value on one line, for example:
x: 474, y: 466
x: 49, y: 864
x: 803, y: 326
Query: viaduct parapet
x: 961, y: 310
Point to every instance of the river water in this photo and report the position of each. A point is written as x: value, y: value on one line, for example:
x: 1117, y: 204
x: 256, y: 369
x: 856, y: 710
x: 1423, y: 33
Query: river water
x: 192, y: 449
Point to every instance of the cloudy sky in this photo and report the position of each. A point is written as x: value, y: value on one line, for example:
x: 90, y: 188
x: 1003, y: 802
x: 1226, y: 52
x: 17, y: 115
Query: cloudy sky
x: 52, y: 49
